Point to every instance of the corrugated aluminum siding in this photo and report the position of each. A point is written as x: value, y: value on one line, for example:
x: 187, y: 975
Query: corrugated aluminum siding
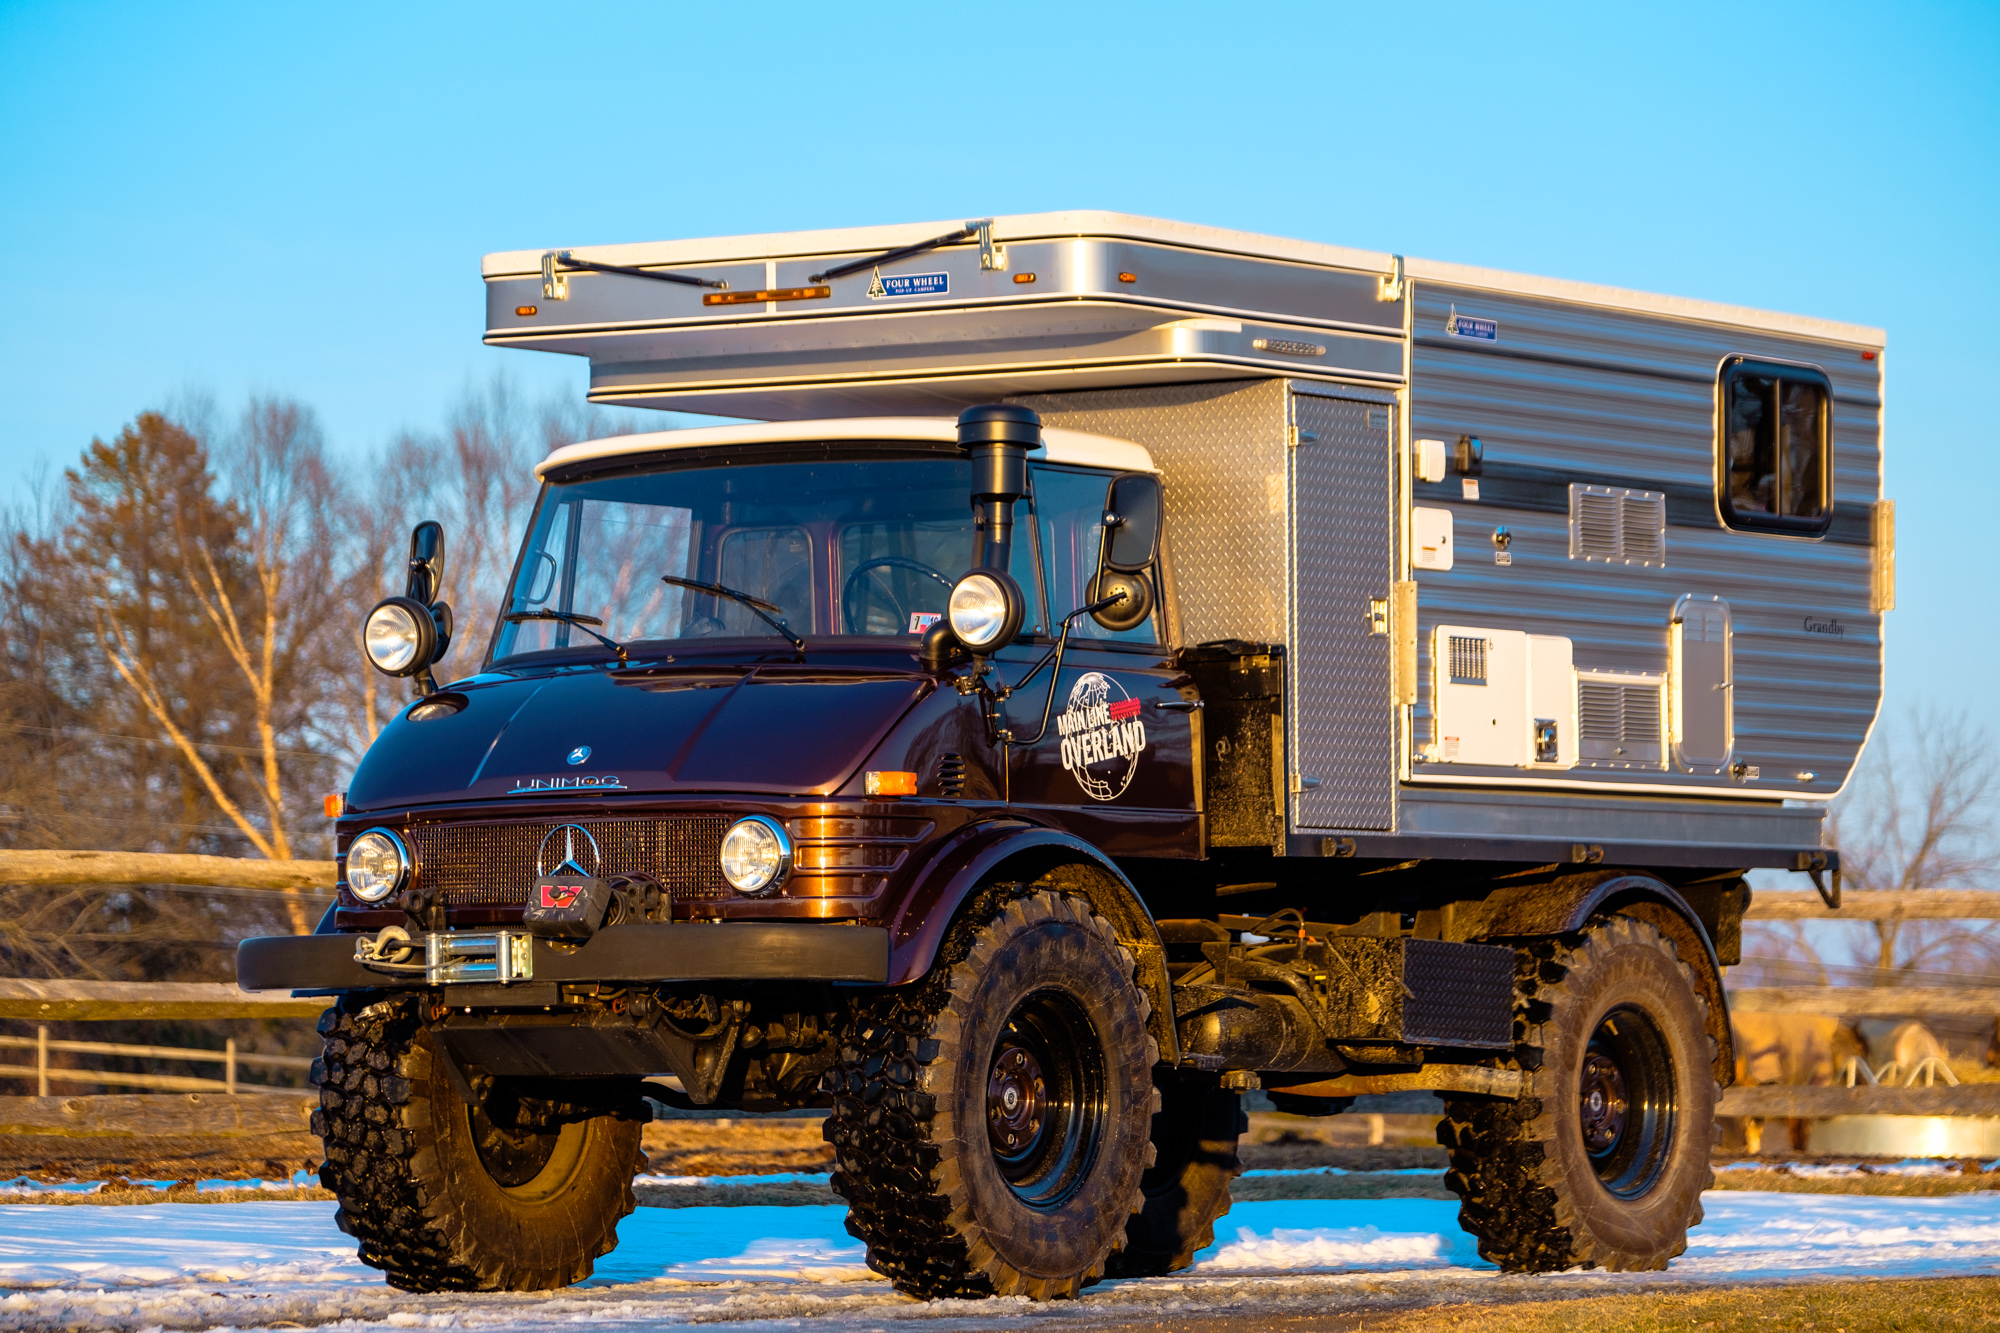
x: 1624, y: 399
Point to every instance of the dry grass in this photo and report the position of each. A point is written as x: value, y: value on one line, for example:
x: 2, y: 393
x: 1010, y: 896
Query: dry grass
x: 1781, y: 1180
x: 1919, y: 1306
x: 116, y: 1194
x: 745, y: 1146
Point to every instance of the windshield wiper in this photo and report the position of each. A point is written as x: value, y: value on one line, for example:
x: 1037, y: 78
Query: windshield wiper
x: 583, y: 623
x: 757, y: 604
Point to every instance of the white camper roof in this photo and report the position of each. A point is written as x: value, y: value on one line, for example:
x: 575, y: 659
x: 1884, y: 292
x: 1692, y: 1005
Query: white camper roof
x: 1059, y: 446
x: 1098, y: 223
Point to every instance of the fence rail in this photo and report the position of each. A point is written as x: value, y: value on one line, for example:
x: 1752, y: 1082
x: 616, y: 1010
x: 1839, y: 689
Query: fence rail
x: 92, y: 1001
x: 1899, y: 905
x: 227, y: 872
x: 1869, y: 1001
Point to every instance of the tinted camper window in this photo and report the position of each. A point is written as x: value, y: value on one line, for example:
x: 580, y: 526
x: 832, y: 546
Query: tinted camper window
x: 1777, y: 426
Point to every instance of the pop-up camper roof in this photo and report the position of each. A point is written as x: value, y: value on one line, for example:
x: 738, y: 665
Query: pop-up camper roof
x: 927, y: 317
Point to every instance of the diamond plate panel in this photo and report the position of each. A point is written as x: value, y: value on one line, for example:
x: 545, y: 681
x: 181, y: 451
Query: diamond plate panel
x: 1221, y: 450
x: 1342, y: 723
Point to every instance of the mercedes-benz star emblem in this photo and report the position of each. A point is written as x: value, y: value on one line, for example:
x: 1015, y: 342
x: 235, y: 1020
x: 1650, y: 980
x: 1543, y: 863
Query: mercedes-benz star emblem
x: 579, y: 754
x: 574, y: 842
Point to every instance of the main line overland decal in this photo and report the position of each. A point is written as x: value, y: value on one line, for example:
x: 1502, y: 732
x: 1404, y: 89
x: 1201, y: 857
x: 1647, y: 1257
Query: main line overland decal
x: 1101, y: 736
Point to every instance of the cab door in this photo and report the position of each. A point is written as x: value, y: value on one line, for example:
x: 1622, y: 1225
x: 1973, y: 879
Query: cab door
x: 1114, y: 763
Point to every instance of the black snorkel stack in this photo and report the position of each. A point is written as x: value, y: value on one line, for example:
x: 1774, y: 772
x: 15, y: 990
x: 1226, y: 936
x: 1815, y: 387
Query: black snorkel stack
x: 987, y: 605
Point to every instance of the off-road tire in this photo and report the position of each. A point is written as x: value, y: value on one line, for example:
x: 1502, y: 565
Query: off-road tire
x: 913, y: 1155
x: 1528, y: 1185
x: 1187, y: 1187
x: 413, y: 1188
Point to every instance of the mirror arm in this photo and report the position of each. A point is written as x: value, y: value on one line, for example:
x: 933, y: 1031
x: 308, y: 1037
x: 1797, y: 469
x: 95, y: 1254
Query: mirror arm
x: 1055, y: 677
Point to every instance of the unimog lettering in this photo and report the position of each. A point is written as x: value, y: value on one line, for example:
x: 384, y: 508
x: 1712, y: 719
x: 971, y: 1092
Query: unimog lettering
x: 1021, y: 786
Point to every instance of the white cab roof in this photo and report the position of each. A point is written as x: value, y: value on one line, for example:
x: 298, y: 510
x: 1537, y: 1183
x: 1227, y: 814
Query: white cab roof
x: 1027, y: 226
x: 1059, y: 446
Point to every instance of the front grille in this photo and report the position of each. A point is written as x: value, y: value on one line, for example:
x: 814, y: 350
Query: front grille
x: 493, y: 865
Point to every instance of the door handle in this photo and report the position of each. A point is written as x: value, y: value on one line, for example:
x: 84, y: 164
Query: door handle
x: 1177, y: 705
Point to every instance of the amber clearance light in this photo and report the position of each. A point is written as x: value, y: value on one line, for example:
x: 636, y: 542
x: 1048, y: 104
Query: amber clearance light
x: 767, y: 294
x: 890, y: 784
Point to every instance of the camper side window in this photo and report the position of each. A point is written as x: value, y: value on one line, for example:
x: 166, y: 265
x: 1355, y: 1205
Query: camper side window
x: 1773, y: 464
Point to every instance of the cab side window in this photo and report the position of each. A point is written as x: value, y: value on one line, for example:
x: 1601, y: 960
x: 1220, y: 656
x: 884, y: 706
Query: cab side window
x: 1775, y: 472
x: 1069, y: 514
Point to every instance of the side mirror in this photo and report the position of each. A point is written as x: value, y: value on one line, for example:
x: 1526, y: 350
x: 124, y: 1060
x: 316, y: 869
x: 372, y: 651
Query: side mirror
x: 1132, y: 522
x: 407, y: 635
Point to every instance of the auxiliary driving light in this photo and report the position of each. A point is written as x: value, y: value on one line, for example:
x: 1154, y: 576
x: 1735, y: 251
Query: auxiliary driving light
x: 986, y: 609
x: 377, y: 865
x: 756, y: 855
x: 399, y: 636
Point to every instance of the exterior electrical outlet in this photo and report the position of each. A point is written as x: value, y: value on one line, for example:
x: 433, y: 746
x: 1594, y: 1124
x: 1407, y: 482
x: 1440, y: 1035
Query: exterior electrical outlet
x: 1059, y: 707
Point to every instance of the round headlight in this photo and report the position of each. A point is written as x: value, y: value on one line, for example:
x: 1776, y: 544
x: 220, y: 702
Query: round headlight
x: 377, y: 865
x: 756, y: 855
x: 985, y: 609
x: 398, y: 636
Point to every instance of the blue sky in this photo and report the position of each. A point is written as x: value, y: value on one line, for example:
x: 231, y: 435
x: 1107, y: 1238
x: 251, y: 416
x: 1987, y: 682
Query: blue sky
x: 295, y: 199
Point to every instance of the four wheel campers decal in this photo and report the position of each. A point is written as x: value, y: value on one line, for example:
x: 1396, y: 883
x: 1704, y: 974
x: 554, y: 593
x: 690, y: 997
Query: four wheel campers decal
x: 1102, y: 736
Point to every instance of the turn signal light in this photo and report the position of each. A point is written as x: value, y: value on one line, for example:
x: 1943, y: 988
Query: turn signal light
x: 1024, y: 277
x: 336, y: 805
x: 891, y: 784
x: 526, y: 310
x: 1128, y: 277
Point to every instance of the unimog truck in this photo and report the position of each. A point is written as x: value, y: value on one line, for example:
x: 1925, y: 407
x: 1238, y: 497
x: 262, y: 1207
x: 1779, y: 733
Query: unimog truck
x: 1123, y: 665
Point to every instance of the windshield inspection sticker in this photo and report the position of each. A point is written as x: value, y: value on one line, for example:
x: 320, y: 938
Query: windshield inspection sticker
x: 908, y: 284
x: 1102, y: 736
x: 923, y: 620
x: 1466, y: 326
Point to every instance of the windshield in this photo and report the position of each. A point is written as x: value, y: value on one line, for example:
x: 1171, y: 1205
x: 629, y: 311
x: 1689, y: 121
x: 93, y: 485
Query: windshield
x: 858, y: 546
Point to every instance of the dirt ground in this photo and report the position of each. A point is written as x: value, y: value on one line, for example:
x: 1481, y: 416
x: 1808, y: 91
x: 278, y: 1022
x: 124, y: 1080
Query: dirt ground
x: 1927, y: 1305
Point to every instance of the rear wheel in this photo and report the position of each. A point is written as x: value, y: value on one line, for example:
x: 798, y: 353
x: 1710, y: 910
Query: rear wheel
x: 990, y: 1123
x: 1602, y: 1161
x: 1187, y: 1187
x: 515, y: 1193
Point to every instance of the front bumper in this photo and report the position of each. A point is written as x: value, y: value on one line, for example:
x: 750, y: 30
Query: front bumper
x: 726, y: 951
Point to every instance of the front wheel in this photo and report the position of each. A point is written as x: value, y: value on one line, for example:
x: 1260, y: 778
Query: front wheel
x: 516, y: 1193
x: 1603, y: 1160
x: 990, y: 1123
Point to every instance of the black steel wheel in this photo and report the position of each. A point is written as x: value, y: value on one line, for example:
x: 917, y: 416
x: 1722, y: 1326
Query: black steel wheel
x: 1602, y: 1161
x: 1046, y: 1099
x: 990, y: 1124
x: 510, y: 1193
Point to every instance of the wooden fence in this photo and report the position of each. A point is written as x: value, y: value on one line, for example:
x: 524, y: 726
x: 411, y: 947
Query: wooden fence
x: 101, y: 1001
x: 50, y: 1001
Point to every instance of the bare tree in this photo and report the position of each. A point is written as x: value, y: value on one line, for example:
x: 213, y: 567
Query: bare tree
x: 1920, y: 814
x: 477, y: 477
x: 1921, y: 817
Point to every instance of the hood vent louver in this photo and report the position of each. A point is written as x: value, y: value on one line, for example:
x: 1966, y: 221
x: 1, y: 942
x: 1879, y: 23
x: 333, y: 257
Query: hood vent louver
x: 951, y: 776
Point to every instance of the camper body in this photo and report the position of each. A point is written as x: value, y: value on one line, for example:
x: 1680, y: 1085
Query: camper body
x: 1294, y: 667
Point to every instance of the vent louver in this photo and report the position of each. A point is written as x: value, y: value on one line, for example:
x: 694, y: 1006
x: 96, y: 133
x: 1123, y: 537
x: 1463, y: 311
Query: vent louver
x: 951, y: 776
x: 1618, y: 720
x: 1468, y: 660
x: 1620, y: 527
